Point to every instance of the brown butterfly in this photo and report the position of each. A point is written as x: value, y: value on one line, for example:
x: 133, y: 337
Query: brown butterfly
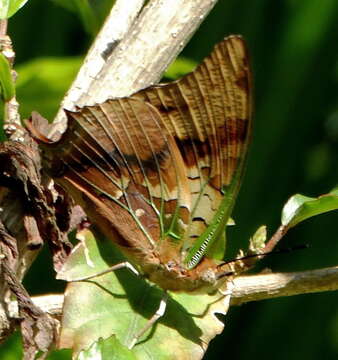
x: 158, y: 172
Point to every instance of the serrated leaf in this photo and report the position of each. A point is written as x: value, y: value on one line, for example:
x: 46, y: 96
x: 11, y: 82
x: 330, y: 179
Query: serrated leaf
x: 299, y: 207
x: 10, y: 7
x: 7, y: 88
x: 108, y: 349
x: 121, y: 303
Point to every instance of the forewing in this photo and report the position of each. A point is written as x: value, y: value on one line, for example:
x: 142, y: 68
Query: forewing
x: 122, y: 165
x: 163, y: 166
x: 208, y: 112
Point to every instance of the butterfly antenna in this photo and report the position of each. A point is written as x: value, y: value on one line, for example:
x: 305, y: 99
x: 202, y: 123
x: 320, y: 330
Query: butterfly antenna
x: 258, y: 257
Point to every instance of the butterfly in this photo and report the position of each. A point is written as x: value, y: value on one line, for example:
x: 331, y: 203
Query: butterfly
x: 158, y: 172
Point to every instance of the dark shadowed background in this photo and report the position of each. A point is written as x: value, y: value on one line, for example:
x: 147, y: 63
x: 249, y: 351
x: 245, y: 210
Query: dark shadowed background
x: 294, y: 53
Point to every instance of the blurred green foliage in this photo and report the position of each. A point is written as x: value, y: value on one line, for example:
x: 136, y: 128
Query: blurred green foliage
x: 180, y: 67
x: 294, y: 50
x: 12, y: 349
x: 90, y: 12
x: 52, y: 73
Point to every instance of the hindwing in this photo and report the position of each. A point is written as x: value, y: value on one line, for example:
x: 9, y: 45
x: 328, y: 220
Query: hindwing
x: 159, y: 171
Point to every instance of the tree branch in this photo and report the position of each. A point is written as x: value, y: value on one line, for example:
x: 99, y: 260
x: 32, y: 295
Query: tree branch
x: 125, y: 59
x: 115, y: 28
x: 267, y: 286
x: 246, y: 288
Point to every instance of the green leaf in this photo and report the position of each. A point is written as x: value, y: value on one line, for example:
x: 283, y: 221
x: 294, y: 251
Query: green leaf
x: 180, y: 67
x: 231, y: 222
x: 10, y: 7
x: 300, y: 207
x: 258, y: 239
x: 63, y: 354
x: 7, y: 88
x: 121, y: 303
x: 109, y: 349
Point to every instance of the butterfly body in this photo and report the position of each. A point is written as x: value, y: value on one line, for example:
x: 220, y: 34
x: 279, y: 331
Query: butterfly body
x: 158, y: 172
x: 159, y: 260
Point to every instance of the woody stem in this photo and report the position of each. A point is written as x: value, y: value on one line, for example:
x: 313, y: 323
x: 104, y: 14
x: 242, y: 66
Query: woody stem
x: 246, y: 288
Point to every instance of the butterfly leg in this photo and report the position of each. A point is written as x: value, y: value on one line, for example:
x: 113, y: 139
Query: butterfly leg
x: 158, y: 314
x: 228, y: 290
x: 121, y: 265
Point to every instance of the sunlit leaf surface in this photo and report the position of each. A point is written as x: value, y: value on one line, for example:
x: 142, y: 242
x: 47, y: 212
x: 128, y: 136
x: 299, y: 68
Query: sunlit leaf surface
x: 10, y: 7
x: 257, y: 241
x: 110, y: 349
x: 121, y: 303
x: 300, y: 207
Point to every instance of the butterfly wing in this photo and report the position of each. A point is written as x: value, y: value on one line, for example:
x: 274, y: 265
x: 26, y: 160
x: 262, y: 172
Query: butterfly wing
x: 208, y: 112
x: 159, y: 171
x: 122, y: 166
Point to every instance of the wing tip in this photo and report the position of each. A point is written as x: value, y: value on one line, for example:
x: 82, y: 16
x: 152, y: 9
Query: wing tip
x: 236, y: 44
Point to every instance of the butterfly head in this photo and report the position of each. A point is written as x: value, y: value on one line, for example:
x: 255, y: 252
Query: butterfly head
x: 206, y: 277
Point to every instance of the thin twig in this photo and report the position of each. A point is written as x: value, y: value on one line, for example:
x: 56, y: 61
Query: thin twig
x: 3, y: 27
x: 275, y: 238
x: 246, y: 288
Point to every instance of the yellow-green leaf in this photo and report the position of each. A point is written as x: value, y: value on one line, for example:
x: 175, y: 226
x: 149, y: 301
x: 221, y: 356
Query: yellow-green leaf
x: 257, y: 241
x: 108, y: 349
x: 121, y: 303
x: 300, y: 207
x: 10, y: 7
